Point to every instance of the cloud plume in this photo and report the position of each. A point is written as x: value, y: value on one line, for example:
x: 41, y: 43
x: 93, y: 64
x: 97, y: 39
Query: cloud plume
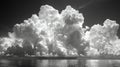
x: 62, y: 34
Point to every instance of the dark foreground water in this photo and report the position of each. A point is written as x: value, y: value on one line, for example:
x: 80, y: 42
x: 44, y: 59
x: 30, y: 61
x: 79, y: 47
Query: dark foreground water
x: 59, y: 63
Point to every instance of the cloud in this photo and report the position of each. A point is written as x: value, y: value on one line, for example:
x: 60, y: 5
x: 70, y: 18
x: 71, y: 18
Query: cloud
x: 104, y: 38
x: 52, y: 32
x: 48, y: 27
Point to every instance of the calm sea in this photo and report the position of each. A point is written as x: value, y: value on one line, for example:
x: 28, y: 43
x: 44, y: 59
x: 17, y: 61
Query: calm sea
x: 59, y: 63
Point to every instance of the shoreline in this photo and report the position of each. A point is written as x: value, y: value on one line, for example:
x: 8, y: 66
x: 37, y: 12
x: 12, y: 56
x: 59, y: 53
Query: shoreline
x: 44, y: 57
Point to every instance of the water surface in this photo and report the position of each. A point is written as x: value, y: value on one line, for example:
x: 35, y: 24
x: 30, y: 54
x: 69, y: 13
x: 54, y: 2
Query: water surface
x: 59, y: 63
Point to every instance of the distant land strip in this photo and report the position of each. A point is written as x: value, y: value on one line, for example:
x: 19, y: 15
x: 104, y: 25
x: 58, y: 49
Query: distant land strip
x: 46, y: 57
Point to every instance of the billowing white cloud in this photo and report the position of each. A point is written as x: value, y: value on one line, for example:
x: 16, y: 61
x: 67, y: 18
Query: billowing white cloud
x: 51, y: 32
x: 72, y: 16
x: 50, y: 27
x: 104, y: 38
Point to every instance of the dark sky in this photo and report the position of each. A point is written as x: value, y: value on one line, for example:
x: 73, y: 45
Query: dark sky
x: 94, y: 11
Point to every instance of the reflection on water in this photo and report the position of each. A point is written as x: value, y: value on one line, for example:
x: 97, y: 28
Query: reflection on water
x: 59, y: 63
x: 103, y: 63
